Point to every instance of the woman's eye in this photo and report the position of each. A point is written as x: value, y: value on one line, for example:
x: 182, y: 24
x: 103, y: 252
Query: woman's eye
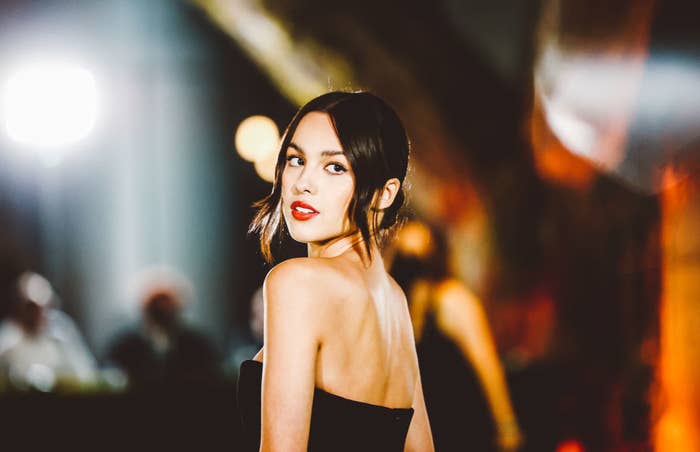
x: 336, y: 168
x: 295, y: 160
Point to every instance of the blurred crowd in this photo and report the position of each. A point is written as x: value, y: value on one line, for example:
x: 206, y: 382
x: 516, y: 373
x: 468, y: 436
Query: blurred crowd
x: 42, y: 348
x: 477, y: 391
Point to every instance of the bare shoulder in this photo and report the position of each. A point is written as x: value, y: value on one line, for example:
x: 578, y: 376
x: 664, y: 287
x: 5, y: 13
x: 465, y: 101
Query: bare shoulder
x: 455, y: 300
x: 307, y: 269
x: 397, y: 291
x: 300, y: 267
x: 296, y: 307
x: 453, y: 291
x: 305, y: 279
x: 400, y: 297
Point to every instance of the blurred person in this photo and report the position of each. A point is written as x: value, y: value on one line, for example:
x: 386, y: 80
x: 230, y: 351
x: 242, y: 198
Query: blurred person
x: 40, y: 346
x: 248, y: 340
x: 459, y: 364
x: 163, y: 349
x: 11, y: 266
x: 338, y: 369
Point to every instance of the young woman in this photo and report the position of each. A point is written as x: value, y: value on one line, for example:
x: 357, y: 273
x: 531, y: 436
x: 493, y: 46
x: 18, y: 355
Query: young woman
x: 338, y: 370
x: 457, y: 355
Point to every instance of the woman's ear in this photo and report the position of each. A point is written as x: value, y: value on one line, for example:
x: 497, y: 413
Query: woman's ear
x: 388, y: 193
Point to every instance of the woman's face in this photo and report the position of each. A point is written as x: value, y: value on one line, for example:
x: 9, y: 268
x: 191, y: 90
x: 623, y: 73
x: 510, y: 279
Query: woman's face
x: 317, y: 182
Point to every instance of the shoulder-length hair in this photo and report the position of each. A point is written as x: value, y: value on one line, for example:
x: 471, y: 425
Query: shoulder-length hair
x: 375, y: 143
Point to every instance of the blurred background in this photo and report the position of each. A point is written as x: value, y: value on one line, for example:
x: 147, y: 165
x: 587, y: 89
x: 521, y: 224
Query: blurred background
x: 554, y: 148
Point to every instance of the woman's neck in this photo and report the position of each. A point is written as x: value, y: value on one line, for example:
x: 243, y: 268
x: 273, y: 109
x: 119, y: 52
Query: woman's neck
x: 353, y: 244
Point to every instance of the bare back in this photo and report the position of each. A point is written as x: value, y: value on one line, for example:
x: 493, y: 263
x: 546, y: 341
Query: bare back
x: 367, y: 351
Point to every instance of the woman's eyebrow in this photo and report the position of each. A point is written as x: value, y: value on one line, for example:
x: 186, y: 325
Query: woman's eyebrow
x: 323, y: 153
x: 296, y: 147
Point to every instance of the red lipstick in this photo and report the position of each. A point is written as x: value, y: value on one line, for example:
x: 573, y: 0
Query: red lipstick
x: 302, y: 211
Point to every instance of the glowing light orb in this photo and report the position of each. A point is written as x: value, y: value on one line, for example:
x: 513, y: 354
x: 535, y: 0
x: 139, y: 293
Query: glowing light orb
x: 50, y: 105
x: 414, y: 239
x: 256, y: 137
x: 36, y: 288
x: 265, y: 166
x: 570, y: 446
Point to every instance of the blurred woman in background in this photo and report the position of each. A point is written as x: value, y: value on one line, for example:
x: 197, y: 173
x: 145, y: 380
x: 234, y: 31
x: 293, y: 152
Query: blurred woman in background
x: 462, y: 377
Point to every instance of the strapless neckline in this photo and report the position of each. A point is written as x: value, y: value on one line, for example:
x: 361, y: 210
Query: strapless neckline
x: 337, y: 423
x: 252, y: 362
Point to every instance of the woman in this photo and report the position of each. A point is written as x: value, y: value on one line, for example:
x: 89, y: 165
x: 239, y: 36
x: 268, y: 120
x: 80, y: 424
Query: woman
x: 338, y: 369
x: 458, y: 360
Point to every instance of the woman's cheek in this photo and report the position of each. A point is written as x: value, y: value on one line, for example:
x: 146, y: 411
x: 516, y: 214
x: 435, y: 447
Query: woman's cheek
x: 345, y: 205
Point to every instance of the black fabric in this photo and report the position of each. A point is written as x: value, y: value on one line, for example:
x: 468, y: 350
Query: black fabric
x: 337, y: 423
x: 457, y: 409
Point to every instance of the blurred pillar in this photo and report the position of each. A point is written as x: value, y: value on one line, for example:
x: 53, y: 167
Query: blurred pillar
x: 678, y: 403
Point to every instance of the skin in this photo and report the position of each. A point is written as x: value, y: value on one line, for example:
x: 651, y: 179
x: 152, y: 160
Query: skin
x: 335, y: 320
x: 459, y: 314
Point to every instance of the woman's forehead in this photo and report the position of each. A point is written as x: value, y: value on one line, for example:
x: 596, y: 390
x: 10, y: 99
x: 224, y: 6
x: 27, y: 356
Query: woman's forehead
x: 315, y: 133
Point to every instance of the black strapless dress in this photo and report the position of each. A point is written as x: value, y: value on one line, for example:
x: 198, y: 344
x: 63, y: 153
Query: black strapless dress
x: 337, y: 423
x: 457, y: 408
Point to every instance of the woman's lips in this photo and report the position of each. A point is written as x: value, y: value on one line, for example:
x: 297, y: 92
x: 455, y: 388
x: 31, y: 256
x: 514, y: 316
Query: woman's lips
x: 302, y: 211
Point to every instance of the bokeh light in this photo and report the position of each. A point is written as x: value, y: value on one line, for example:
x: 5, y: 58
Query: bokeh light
x: 265, y: 166
x: 414, y: 239
x: 35, y: 288
x: 570, y: 446
x: 256, y: 137
x: 49, y: 105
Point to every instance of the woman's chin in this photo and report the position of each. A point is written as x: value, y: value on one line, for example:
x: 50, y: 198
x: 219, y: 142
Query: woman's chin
x: 301, y: 236
x: 305, y: 236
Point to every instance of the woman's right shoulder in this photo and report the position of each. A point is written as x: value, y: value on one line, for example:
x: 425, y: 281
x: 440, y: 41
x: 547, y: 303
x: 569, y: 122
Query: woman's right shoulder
x: 396, y: 290
x: 312, y: 277
x: 301, y: 267
x: 294, y: 266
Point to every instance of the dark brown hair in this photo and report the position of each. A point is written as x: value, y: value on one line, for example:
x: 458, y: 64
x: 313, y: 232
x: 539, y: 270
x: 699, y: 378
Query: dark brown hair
x: 432, y: 266
x: 377, y: 147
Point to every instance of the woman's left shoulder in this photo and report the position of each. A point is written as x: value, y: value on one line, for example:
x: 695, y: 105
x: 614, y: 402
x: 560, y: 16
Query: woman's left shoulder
x: 453, y: 287
x: 453, y: 294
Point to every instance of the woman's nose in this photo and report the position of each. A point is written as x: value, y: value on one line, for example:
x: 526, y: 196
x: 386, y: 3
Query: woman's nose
x: 304, y: 182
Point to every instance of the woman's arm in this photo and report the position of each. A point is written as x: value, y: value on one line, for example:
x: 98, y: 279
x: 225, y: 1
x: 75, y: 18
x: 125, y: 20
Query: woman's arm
x: 420, y: 437
x: 292, y: 339
x: 461, y: 317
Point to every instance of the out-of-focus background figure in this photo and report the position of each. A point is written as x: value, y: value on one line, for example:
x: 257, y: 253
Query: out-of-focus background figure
x: 463, y: 380
x: 247, y: 340
x: 40, y: 346
x: 162, y: 350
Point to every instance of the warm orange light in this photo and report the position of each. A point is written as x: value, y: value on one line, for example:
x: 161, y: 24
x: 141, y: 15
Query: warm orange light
x: 265, y: 166
x: 256, y: 137
x: 553, y: 161
x: 677, y: 402
x: 571, y: 445
x: 414, y: 239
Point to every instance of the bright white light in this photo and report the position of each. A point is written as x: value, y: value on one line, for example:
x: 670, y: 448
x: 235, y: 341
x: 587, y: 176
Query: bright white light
x: 575, y: 133
x: 36, y: 288
x: 265, y: 166
x: 41, y: 377
x: 256, y: 138
x: 49, y: 105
